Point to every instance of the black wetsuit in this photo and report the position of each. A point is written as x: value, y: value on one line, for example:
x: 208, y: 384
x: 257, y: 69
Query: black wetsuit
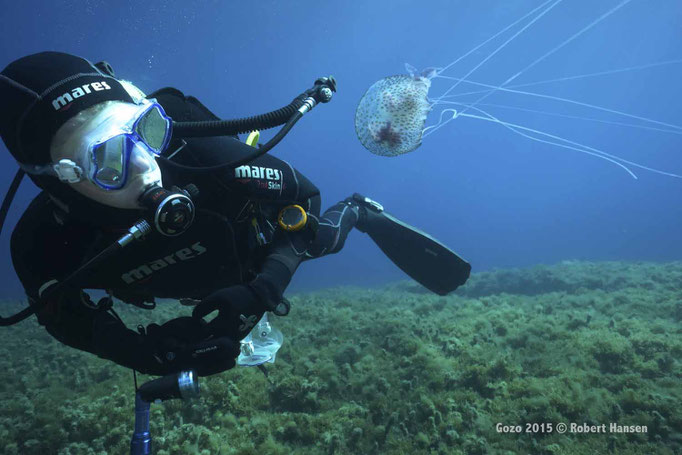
x: 234, y: 239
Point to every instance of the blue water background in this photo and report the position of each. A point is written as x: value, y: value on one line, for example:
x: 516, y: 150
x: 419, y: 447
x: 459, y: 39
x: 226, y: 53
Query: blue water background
x: 498, y: 199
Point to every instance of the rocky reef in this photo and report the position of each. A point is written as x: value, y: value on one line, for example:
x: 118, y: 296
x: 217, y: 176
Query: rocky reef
x: 393, y: 370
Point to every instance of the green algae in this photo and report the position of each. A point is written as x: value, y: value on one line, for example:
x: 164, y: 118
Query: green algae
x: 393, y: 370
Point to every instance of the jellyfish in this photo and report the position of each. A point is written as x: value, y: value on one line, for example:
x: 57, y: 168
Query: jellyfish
x: 391, y: 117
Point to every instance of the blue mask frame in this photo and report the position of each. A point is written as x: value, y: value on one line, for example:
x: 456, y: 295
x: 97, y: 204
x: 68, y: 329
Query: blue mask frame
x: 117, y: 149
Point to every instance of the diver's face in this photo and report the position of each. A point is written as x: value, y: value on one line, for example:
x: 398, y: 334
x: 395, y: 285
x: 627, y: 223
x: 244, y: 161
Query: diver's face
x: 75, y: 139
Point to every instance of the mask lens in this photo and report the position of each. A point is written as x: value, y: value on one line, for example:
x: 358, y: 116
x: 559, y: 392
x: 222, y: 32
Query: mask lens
x: 153, y: 129
x: 109, y: 161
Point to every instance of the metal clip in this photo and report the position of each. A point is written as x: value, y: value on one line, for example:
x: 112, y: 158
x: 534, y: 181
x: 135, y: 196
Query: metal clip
x: 260, y: 237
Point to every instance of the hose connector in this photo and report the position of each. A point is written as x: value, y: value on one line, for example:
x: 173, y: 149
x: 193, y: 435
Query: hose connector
x: 137, y: 232
x: 307, y: 106
x: 324, y: 89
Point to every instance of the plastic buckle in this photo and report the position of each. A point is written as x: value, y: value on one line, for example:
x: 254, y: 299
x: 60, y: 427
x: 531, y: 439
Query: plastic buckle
x: 68, y: 171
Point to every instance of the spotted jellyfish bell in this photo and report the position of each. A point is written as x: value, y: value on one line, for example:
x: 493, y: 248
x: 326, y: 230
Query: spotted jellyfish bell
x: 390, y: 117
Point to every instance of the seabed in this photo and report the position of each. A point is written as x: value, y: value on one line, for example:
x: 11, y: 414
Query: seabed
x: 393, y: 370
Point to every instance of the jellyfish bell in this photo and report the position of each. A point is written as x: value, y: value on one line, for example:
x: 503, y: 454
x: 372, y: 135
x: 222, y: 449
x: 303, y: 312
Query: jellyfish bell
x: 391, y: 115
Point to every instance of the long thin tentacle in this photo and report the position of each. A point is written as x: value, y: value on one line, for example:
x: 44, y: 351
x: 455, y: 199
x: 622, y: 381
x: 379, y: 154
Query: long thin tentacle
x: 556, y: 114
x: 574, y: 145
x: 554, y: 49
x: 503, y: 45
x: 578, y: 103
x: 599, y: 73
x: 491, y: 38
x: 518, y: 129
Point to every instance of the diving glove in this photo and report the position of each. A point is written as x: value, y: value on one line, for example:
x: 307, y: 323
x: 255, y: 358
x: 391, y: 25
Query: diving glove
x: 185, y: 344
x: 239, y: 310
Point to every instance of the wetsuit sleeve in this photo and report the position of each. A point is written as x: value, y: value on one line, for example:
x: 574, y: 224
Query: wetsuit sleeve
x: 42, y: 252
x: 290, y: 249
x: 333, y: 228
x: 285, y: 254
x: 70, y: 317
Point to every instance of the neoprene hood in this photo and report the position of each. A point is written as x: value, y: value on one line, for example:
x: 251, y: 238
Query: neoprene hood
x: 40, y: 92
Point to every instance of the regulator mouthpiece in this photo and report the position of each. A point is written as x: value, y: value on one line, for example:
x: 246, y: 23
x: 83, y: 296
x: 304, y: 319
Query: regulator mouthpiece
x: 171, y: 212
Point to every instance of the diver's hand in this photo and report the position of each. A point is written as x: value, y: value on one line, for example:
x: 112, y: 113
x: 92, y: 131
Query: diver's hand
x: 185, y: 343
x: 239, y: 310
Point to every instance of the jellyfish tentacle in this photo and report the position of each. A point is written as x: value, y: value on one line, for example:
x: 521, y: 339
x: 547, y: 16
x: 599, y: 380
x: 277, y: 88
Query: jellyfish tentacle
x: 584, y: 148
x: 600, y: 73
x: 430, y: 129
x: 518, y: 129
x: 503, y: 45
x: 492, y: 37
x: 567, y: 78
x: 578, y: 103
x: 576, y: 117
x: 515, y: 129
x: 555, y: 49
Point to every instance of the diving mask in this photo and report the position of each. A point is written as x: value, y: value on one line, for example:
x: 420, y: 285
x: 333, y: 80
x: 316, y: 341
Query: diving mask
x: 110, y: 147
x: 110, y: 157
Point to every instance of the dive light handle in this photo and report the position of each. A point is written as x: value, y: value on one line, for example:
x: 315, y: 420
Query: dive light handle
x: 178, y: 385
x: 141, y: 442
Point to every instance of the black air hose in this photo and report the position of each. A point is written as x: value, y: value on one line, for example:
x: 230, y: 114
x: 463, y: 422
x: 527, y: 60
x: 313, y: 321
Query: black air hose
x: 240, y: 125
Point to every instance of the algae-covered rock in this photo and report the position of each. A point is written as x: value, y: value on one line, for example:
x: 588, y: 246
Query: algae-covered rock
x: 295, y: 394
x: 393, y: 370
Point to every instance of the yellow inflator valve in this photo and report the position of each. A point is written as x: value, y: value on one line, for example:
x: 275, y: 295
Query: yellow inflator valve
x: 292, y: 218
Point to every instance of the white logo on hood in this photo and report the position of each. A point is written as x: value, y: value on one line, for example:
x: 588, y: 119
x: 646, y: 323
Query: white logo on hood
x: 63, y: 101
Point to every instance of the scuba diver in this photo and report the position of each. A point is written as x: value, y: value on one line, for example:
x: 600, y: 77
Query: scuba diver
x: 154, y: 196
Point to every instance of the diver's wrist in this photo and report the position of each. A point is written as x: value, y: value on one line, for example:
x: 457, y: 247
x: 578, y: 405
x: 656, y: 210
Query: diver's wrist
x: 267, y: 294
